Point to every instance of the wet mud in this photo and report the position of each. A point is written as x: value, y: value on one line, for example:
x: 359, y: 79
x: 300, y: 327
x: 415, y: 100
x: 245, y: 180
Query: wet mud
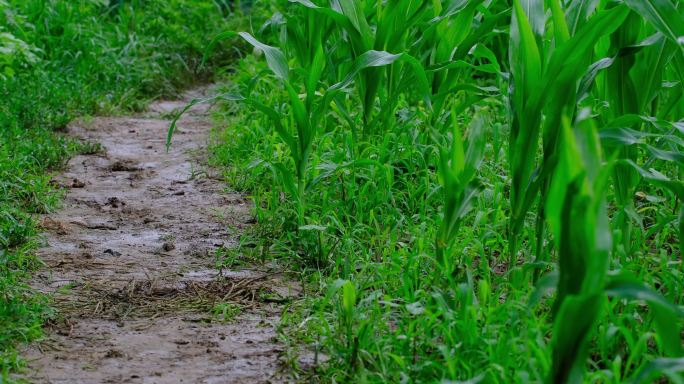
x: 130, y: 265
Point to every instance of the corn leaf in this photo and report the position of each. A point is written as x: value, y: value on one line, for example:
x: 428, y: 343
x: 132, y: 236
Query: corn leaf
x: 663, y: 15
x: 671, y: 367
x: 665, y: 315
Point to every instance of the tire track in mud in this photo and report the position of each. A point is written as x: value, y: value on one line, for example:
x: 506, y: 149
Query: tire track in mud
x: 130, y: 261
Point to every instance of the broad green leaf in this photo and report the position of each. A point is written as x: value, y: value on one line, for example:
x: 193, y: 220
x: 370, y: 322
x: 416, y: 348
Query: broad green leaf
x: 672, y: 367
x: 590, y: 76
x: 560, y: 25
x: 485, y: 28
x: 339, y: 18
x: 373, y: 58
x: 578, y: 13
x: 334, y: 287
x: 476, y: 147
x: 548, y: 283
x: 526, y: 70
x: 534, y: 9
x: 574, y: 322
x: 650, y: 70
x: 525, y: 56
x: 274, y: 57
x: 663, y: 15
x: 353, y: 9
x: 367, y: 60
x: 348, y: 297
x: 567, y: 170
x: 656, y: 178
x: 315, y: 71
x: 457, y: 158
x: 569, y: 61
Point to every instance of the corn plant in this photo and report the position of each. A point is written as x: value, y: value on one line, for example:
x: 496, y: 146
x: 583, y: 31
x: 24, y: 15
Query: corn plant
x: 544, y: 76
x: 365, y: 26
x: 576, y: 211
x: 306, y: 115
x: 455, y: 32
x: 577, y: 215
x: 632, y: 84
x: 458, y: 164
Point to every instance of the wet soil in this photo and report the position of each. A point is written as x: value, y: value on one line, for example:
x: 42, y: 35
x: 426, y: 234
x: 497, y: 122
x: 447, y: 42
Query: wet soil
x: 130, y: 265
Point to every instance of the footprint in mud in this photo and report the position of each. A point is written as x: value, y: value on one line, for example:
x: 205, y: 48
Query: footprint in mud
x: 115, y: 202
x: 124, y: 166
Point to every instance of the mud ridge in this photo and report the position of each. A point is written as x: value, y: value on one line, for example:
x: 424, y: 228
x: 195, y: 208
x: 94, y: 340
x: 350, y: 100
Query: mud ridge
x: 130, y: 265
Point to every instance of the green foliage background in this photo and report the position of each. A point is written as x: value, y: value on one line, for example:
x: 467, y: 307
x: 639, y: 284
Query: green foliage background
x: 473, y: 191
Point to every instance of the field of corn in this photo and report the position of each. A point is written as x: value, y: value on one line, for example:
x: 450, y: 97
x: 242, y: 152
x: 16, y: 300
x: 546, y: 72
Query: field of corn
x: 468, y: 191
x: 472, y: 190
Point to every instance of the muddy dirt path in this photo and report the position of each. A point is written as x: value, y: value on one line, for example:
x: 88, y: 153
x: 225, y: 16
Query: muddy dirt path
x: 130, y: 258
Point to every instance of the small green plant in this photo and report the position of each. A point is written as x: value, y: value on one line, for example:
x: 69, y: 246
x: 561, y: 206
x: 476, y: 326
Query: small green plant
x: 226, y: 312
x: 458, y: 164
x: 228, y: 257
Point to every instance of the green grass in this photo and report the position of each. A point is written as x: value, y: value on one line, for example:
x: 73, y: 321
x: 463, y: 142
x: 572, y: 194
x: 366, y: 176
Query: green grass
x: 481, y: 191
x: 61, y: 60
x: 25, y: 156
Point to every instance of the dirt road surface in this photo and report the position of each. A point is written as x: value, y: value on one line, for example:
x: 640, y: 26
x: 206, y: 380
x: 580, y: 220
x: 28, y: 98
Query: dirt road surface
x: 130, y: 260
